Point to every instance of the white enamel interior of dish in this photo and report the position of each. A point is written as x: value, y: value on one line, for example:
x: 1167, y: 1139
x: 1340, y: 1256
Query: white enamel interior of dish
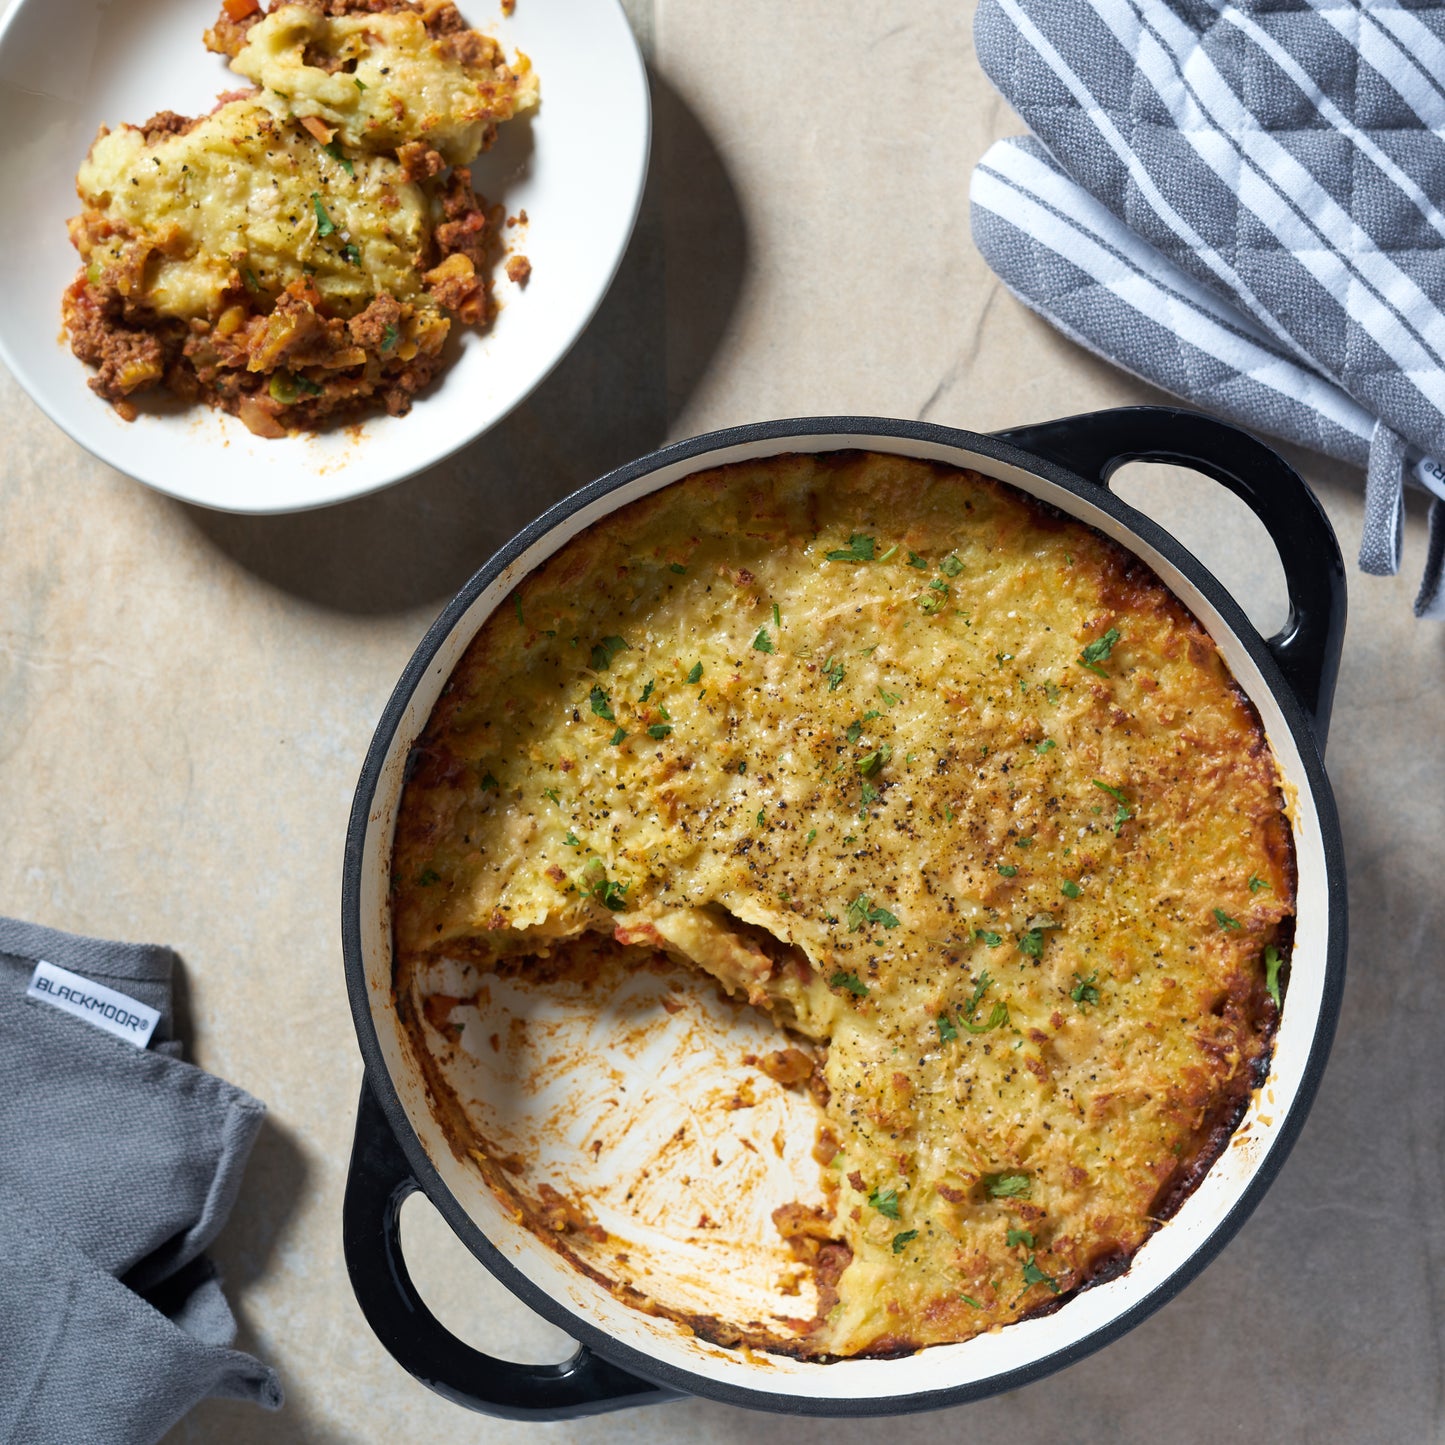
x: 628, y: 1095
x: 943, y: 1366
x: 577, y: 167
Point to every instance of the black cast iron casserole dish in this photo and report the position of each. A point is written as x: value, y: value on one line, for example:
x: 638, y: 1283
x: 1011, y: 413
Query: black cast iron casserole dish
x: 627, y: 1357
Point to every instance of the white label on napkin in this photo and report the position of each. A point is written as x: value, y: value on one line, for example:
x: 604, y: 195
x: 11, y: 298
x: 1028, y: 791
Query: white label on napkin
x: 117, y: 1014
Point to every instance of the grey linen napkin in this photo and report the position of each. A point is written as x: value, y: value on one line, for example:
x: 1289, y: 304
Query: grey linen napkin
x: 1241, y: 202
x: 118, y: 1165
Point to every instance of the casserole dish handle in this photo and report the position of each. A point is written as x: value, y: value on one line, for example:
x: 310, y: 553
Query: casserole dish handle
x: 379, y: 1183
x: 1097, y: 444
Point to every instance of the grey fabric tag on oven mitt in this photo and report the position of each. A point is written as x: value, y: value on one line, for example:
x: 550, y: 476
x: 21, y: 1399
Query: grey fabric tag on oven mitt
x: 119, y: 1163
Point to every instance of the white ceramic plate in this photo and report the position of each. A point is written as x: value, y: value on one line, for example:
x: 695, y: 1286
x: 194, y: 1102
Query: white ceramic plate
x: 576, y: 167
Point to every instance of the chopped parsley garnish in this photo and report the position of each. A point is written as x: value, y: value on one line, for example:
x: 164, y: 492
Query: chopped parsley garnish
x: 914, y: 560
x: 489, y: 783
x: 987, y: 936
x: 859, y: 549
x: 933, y: 601
x: 1122, y: 813
x: 1098, y: 650
x: 388, y: 337
x: 762, y: 642
x: 742, y: 768
x: 571, y: 840
x: 869, y: 794
x: 548, y: 793
x: 762, y: 817
x: 1047, y: 745
x: 600, y: 706
x: 1084, y: 990
x: 854, y: 985
x: 1007, y: 869
x: 679, y: 569
x: 605, y: 651
x: 835, y: 672
x: 860, y: 911
x: 1023, y: 842
x: 1256, y: 883
x: 592, y: 882
x: 618, y: 736
x: 903, y: 1240
x: 1224, y: 920
x: 1018, y: 1237
x: 427, y: 877
x: 1032, y: 943
x: 695, y: 676
x: 249, y: 276
x: 351, y: 253
x: 777, y: 616
x: 1051, y: 691
x: 888, y: 554
x: 869, y: 763
x: 1034, y: 1275
x: 950, y: 566
x: 969, y: 1300
x: 854, y: 730
x: 890, y: 699
x: 517, y: 604
x: 998, y: 1016
x: 648, y: 690
x: 335, y: 152
x: 1272, y: 963
x: 357, y: 83
x: 659, y: 730
x: 812, y: 833
x: 1013, y: 1184
x: 1070, y: 889
x: 324, y: 224
x: 946, y: 1031
x: 885, y: 1201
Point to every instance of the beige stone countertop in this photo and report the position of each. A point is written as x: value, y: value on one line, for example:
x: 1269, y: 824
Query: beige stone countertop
x: 185, y: 698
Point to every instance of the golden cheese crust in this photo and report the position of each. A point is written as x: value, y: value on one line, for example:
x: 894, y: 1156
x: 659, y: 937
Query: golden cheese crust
x: 382, y: 81
x: 951, y: 785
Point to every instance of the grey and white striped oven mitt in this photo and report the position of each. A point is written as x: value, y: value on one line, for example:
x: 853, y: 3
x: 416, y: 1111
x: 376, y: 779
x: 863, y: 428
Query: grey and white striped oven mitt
x: 1245, y: 205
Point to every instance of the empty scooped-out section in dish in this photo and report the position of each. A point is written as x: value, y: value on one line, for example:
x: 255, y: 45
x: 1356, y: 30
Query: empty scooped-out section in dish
x: 632, y: 1108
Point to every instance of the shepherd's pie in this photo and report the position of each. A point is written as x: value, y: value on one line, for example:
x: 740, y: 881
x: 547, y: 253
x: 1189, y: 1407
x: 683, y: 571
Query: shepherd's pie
x: 948, y: 784
x: 301, y: 252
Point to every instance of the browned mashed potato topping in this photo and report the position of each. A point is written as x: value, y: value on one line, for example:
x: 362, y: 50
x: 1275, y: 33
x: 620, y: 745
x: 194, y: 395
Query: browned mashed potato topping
x: 949, y: 785
x: 300, y: 253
